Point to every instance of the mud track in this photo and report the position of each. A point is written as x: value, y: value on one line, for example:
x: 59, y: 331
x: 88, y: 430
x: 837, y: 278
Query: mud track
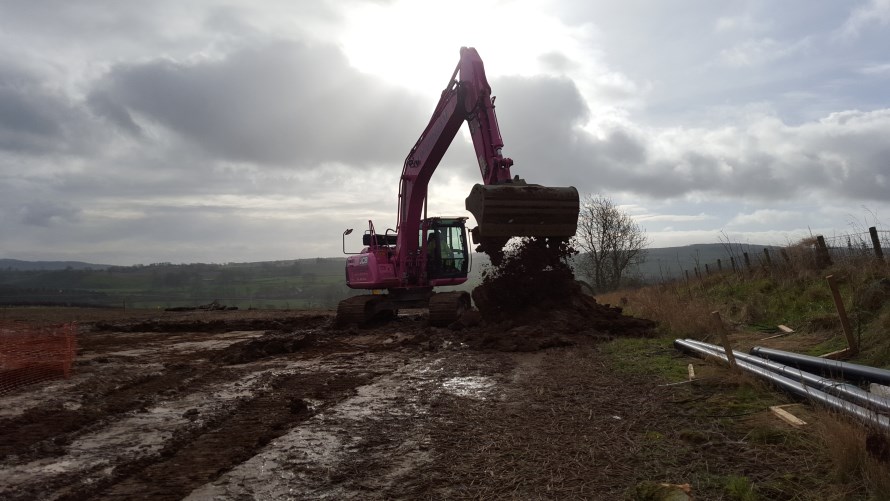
x: 283, y: 407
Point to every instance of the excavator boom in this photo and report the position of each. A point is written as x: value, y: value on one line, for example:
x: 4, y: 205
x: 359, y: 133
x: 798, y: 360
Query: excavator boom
x: 504, y: 206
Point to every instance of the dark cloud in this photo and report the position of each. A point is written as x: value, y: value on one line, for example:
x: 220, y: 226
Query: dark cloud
x: 118, y: 115
x: 34, y: 118
x: 541, y: 120
x: 556, y: 61
x: 285, y: 103
x: 46, y: 213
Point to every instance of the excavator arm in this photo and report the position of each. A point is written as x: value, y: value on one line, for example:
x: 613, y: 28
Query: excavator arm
x: 503, y: 206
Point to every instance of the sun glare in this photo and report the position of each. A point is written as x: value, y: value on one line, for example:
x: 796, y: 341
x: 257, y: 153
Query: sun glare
x: 416, y: 44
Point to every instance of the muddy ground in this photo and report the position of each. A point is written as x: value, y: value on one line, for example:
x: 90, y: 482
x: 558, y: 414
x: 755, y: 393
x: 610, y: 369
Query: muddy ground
x: 278, y: 405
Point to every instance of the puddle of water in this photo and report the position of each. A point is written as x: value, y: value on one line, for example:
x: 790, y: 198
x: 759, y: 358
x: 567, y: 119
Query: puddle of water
x: 288, y: 461
x: 218, y: 341
x: 294, y: 462
x: 469, y: 386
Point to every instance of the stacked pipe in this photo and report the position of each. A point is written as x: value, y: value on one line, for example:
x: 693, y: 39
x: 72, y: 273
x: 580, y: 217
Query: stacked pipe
x: 843, y: 397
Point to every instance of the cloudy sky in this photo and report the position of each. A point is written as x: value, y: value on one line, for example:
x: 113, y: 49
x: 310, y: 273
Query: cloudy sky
x: 141, y: 132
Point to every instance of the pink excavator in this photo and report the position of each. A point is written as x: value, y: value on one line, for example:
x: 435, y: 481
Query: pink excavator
x: 424, y: 253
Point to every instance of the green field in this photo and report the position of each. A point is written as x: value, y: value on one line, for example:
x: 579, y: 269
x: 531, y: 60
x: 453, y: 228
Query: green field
x: 299, y: 284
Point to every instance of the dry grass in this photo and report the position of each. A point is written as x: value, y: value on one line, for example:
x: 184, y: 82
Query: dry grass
x: 860, y: 457
x: 794, y: 292
x: 681, y: 316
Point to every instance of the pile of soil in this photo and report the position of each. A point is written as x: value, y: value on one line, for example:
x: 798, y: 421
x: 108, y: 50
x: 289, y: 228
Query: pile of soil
x: 531, y: 301
x: 289, y: 323
x: 268, y: 345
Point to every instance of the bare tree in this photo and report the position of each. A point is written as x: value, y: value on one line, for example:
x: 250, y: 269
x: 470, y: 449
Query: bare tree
x: 611, y: 240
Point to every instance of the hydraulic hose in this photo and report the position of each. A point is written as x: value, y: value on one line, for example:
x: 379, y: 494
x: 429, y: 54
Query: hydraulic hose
x: 795, y: 387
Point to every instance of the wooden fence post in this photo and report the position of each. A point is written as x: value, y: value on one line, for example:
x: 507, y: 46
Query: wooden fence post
x: 852, y: 342
x: 732, y: 261
x: 707, y: 270
x: 785, y: 255
x: 823, y: 258
x: 876, y: 243
x: 721, y: 331
x: 719, y: 266
x: 769, y: 262
x: 747, y: 261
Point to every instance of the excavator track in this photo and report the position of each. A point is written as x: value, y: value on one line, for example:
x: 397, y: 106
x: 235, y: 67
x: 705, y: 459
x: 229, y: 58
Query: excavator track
x: 360, y: 309
x: 447, y: 307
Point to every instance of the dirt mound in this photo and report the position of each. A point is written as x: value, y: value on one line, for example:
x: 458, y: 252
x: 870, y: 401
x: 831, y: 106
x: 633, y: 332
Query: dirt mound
x: 532, y: 301
x: 284, y: 323
x: 271, y: 343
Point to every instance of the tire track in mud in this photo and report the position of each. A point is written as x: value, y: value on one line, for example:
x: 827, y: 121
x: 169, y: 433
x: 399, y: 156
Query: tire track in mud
x: 370, y: 445
x: 194, y: 457
x: 43, y: 431
x: 32, y: 430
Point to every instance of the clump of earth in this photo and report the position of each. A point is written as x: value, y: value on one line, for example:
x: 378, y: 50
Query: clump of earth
x: 531, y: 300
x: 533, y: 274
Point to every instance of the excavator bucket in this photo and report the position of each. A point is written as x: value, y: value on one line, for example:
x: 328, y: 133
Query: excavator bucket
x: 523, y: 210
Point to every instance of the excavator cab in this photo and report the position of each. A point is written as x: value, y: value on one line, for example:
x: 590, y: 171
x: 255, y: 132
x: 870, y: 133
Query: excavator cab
x: 444, y: 243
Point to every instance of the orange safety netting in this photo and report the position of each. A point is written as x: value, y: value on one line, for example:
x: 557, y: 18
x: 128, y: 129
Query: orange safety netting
x: 30, y: 354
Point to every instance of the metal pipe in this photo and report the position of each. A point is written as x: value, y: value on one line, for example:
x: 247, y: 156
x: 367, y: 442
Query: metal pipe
x: 846, y: 391
x: 795, y: 387
x: 825, y: 366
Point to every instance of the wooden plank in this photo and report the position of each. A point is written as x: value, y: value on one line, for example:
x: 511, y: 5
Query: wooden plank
x: 773, y: 337
x: 785, y: 329
x: 837, y: 355
x: 691, y: 370
x: 787, y: 416
x: 879, y: 389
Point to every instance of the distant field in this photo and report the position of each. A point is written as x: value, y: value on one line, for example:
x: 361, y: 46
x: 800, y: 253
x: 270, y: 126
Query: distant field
x: 303, y: 284
x: 296, y: 284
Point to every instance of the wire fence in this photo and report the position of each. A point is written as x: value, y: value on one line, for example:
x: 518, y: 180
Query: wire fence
x: 857, y: 245
x: 817, y: 252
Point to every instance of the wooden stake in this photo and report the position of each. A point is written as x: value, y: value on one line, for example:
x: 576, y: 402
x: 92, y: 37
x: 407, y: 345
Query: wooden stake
x: 876, y: 243
x: 823, y: 258
x: 724, y: 339
x: 785, y: 255
x: 842, y: 314
x: 691, y: 370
